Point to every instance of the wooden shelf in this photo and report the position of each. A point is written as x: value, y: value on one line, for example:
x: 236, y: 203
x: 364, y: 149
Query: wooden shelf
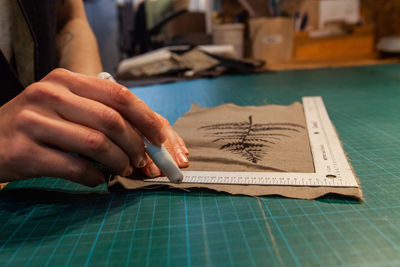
x: 335, y: 63
x: 360, y: 43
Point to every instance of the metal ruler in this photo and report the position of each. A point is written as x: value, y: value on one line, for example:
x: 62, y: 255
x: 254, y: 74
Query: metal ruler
x: 330, y: 162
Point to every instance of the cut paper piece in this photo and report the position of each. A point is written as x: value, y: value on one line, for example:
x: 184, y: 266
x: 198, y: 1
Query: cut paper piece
x: 250, y: 139
x: 271, y: 138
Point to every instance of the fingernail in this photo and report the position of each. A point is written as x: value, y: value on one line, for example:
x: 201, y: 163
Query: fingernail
x: 182, y: 159
x: 142, y: 163
x: 128, y: 171
x: 185, y: 150
x: 161, y: 137
x: 154, y: 171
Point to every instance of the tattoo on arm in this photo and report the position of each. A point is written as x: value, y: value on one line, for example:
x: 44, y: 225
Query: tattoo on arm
x: 65, y: 38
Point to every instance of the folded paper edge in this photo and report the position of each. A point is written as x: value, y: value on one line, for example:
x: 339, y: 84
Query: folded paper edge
x: 301, y: 192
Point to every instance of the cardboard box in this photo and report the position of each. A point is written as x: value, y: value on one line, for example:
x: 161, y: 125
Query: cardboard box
x: 271, y: 38
x: 179, y: 4
x: 191, y: 22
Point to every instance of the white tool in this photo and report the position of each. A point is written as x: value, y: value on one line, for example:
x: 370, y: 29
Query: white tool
x: 330, y: 162
x: 159, y: 154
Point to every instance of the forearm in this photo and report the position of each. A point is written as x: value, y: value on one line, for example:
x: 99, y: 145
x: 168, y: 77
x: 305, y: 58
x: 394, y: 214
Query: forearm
x: 77, y: 47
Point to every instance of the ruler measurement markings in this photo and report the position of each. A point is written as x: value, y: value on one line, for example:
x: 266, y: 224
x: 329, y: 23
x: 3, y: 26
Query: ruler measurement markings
x: 330, y: 163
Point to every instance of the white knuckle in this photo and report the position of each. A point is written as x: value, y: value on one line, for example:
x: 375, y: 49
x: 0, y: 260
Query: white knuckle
x: 58, y: 73
x: 76, y: 170
x: 97, y: 142
x: 153, y: 123
x: 162, y: 119
x: 34, y: 91
x: 40, y: 92
x: 18, y: 156
x: 139, y: 104
x: 59, y: 76
x: 26, y: 119
x: 122, y: 95
x: 112, y: 120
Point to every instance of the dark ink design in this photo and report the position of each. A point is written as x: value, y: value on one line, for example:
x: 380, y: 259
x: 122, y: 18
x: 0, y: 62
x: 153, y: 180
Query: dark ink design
x: 65, y: 38
x: 250, y: 140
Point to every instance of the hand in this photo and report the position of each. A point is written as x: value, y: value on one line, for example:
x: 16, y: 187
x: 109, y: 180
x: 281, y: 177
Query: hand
x: 69, y: 112
x: 176, y: 147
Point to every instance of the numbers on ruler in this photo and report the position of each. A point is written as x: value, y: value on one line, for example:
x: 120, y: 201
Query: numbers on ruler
x: 259, y: 180
x: 329, y: 160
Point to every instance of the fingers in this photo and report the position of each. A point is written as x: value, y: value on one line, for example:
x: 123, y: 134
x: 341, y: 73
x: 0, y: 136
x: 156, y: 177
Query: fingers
x: 71, y: 137
x: 54, y: 163
x: 183, y: 145
x: 28, y: 159
x: 95, y: 115
x: 116, y: 96
x: 175, y: 141
x: 151, y: 169
x: 100, y: 106
x: 174, y: 147
x: 179, y: 157
x: 177, y: 154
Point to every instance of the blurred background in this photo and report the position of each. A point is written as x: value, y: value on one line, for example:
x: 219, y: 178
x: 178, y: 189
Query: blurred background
x: 152, y: 41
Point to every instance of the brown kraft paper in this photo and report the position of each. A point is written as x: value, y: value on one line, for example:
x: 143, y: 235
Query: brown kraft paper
x: 269, y: 138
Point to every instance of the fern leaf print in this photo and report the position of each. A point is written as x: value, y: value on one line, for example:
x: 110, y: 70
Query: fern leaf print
x: 250, y: 140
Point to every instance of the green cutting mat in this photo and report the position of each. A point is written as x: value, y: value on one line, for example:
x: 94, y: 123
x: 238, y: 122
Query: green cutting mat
x: 48, y: 222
